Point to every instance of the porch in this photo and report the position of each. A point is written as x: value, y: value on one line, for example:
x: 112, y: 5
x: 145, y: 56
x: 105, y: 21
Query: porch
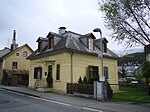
x: 42, y: 86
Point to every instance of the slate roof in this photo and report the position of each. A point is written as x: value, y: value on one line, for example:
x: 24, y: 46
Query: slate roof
x: 11, y: 52
x: 4, y: 52
x: 72, y: 43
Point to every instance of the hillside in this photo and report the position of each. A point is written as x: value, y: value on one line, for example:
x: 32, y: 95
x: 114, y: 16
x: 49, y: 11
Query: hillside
x: 128, y: 51
x: 132, y: 59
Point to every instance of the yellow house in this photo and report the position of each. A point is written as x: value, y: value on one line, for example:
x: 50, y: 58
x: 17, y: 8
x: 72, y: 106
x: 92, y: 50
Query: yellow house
x: 14, y: 67
x: 67, y: 56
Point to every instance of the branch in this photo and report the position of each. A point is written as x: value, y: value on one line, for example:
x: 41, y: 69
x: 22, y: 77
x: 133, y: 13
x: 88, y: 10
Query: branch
x: 134, y: 29
x: 139, y: 24
x: 137, y: 40
x: 147, y: 4
x: 143, y: 20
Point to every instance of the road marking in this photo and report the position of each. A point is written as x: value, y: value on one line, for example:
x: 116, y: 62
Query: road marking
x: 61, y: 103
x: 39, y: 98
x: 95, y: 110
x: 53, y: 101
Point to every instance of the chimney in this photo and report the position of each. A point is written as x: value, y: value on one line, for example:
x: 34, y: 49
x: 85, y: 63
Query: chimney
x: 62, y: 30
x: 14, y: 45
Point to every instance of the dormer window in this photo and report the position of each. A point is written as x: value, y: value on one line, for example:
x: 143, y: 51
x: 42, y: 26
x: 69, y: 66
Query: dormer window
x: 42, y: 43
x: 105, y: 45
x: 51, y: 42
x: 39, y: 46
x: 91, y: 43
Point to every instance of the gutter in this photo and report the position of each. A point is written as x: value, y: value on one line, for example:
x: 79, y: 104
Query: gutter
x: 72, y: 53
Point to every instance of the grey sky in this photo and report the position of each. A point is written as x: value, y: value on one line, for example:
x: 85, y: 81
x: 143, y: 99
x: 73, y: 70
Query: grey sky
x: 34, y: 18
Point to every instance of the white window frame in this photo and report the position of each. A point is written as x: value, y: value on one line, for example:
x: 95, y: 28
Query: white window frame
x: 25, y: 53
x: 16, y: 66
x: 91, y: 42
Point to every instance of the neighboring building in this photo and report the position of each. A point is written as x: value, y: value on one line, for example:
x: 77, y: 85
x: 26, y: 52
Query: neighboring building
x: 147, y: 52
x: 3, y: 52
x: 67, y: 56
x: 14, y: 67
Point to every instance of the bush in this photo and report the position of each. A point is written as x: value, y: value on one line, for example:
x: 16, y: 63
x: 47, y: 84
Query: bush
x: 128, y: 80
x: 139, y: 78
x: 85, y: 80
x: 80, y: 80
x: 88, y: 80
x: 109, y: 91
x: 49, y: 80
x: 93, y: 78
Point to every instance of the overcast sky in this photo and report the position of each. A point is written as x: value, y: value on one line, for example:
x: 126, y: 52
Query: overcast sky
x: 34, y: 18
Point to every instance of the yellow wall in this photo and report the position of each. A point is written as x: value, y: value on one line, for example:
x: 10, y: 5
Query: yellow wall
x: 22, y: 62
x: 58, y: 85
x: 80, y: 64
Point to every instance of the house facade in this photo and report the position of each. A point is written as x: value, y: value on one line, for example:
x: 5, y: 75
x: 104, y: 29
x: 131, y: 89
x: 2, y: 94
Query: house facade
x: 14, y: 67
x: 66, y: 56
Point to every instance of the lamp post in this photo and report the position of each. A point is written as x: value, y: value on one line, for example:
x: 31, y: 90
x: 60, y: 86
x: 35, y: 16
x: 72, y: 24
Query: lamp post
x: 102, y: 79
x: 101, y: 47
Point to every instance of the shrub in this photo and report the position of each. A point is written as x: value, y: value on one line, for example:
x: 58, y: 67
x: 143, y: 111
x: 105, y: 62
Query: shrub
x: 93, y: 78
x: 128, y: 80
x: 109, y: 91
x: 139, y: 78
x: 49, y: 80
x: 85, y: 80
x: 80, y: 80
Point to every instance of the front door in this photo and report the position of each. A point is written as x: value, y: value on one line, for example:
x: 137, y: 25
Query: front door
x: 49, y: 77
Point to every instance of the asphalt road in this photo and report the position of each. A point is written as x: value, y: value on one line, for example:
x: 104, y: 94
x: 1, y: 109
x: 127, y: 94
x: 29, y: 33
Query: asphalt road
x: 14, y: 102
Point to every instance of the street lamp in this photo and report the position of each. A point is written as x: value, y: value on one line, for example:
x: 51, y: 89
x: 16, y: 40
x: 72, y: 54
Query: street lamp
x: 101, y: 47
x: 102, y: 79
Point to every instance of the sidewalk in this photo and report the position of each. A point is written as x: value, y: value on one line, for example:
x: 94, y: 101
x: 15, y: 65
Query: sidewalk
x: 80, y: 101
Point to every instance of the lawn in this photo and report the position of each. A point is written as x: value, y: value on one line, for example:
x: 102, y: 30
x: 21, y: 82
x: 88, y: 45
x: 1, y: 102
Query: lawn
x: 131, y: 94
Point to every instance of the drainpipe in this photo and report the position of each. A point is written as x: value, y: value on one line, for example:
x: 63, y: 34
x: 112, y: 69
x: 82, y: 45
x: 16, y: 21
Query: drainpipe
x: 72, y: 70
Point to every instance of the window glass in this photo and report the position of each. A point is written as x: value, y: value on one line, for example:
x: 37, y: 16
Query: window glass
x: 17, y: 54
x: 37, y: 73
x: 58, y: 72
x: 91, y: 43
x: 14, y: 65
x: 106, y: 72
x: 51, y: 42
x: 39, y: 46
x: 25, y: 53
x: 93, y: 70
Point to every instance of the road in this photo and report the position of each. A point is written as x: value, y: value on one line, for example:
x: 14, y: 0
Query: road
x: 14, y: 102
x: 49, y: 102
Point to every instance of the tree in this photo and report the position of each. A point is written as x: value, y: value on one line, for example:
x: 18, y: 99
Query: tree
x: 80, y: 80
x: 49, y: 80
x: 146, y: 70
x: 129, y: 20
x: 85, y: 80
x: 109, y: 91
x: 123, y: 71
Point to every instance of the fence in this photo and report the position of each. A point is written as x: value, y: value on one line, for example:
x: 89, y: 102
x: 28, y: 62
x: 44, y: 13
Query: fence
x: 80, y: 88
x: 138, y: 85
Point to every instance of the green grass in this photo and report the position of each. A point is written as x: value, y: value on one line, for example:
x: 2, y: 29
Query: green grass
x: 131, y: 94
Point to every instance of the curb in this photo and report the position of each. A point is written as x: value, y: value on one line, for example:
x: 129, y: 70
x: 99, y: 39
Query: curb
x: 29, y: 94
x: 138, y: 101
